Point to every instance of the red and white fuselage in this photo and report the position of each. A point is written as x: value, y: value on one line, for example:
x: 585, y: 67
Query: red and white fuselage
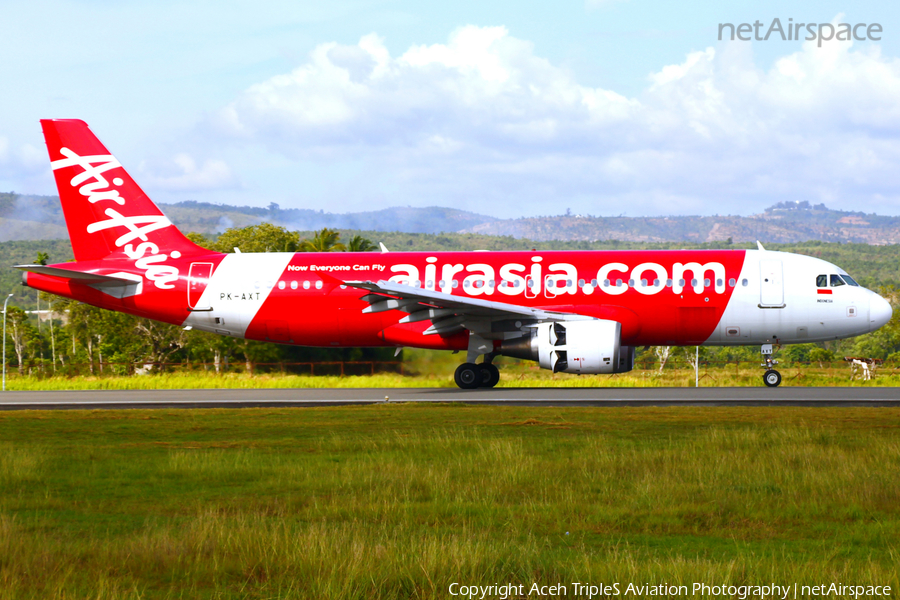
x: 131, y: 258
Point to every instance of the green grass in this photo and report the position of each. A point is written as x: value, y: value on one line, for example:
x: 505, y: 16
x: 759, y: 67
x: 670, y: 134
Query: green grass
x: 441, y: 375
x: 400, y: 501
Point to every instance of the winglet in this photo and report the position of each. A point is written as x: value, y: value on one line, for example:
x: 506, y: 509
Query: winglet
x: 330, y: 279
x: 760, y: 246
x: 384, y: 249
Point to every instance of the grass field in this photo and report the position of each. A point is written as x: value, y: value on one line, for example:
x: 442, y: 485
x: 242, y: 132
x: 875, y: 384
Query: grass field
x: 401, y: 501
x: 512, y: 376
x: 423, y: 368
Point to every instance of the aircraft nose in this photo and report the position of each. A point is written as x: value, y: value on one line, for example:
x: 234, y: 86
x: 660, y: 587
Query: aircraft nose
x: 880, y: 312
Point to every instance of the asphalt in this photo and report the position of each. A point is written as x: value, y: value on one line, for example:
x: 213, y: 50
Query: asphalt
x: 607, y: 397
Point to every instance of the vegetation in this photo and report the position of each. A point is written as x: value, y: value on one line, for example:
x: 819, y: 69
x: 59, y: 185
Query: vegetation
x: 401, y: 501
x: 83, y: 340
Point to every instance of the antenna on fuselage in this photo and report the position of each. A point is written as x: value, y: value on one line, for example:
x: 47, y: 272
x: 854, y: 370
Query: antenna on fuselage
x: 384, y: 249
x: 760, y: 246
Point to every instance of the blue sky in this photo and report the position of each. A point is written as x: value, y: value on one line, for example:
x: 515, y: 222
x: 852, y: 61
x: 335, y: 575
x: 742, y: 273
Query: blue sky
x: 603, y: 107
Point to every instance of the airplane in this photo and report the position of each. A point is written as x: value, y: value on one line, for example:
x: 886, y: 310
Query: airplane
x: 579, y: 312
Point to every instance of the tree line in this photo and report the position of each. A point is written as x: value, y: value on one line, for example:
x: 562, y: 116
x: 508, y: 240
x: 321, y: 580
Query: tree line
x: 58, y: 335
x: 79, y: 338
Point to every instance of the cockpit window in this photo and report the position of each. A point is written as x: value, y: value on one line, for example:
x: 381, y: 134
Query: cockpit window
x: 836, y: 281
x: 822, y: 281
x: 850, y: 280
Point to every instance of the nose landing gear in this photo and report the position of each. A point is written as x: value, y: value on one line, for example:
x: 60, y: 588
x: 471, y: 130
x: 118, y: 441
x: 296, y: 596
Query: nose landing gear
x: 771, y: 377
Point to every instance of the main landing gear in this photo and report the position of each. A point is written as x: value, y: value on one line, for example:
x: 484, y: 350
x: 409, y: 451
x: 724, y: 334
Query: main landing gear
x: 469, y: 376
x: 771, y: 377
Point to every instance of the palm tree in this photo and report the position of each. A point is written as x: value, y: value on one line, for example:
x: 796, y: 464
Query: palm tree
x: 360, y: 244
x: 326, y: 240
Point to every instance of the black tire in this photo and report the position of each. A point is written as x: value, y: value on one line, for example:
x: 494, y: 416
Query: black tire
x: 772, y: 378
x: 490, y: 375
x: 468, y: 376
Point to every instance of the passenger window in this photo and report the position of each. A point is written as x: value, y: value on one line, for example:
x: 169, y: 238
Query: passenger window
x: 732, y: 282
x: 836, y: 281
x: 822, y: 281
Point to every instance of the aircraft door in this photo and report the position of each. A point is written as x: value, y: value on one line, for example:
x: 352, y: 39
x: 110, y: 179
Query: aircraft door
x: 771, y: 284
x: 198, y: 279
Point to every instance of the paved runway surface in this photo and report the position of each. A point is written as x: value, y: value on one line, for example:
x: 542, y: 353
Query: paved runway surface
x: 787, y: 396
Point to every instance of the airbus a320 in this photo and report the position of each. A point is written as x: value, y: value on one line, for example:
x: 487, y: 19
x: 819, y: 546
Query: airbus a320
x: 573, y: 312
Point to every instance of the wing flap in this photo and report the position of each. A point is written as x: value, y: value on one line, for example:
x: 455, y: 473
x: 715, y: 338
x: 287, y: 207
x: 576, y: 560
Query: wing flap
x: 386, y: 295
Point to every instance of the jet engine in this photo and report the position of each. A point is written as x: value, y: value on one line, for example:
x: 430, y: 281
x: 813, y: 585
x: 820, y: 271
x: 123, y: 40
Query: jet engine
x: 586, y: 347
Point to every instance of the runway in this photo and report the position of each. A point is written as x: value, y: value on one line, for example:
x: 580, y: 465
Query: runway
x: 602, y: 397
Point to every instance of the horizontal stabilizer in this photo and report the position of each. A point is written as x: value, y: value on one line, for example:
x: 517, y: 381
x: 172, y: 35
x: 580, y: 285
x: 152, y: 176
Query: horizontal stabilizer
x: 120, y: 285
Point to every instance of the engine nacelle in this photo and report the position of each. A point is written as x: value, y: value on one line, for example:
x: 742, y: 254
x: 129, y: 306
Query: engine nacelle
x: 575, y: 347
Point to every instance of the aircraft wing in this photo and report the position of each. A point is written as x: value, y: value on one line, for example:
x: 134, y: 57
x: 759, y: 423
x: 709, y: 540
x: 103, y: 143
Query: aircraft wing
x: 447, y: 312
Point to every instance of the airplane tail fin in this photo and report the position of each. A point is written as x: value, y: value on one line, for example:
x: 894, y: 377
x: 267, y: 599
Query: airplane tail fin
x: 106, y: 211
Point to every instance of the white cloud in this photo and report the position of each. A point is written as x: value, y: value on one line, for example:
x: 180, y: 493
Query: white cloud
x: 482, y: 82
x: 483, y: 114
x: 182, y: 174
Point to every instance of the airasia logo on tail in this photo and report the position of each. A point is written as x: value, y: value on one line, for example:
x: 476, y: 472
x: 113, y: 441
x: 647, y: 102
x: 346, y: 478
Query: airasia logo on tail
x: 92, y: 184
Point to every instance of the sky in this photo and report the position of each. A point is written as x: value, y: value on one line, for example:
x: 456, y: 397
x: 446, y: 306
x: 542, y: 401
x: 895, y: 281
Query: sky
x: 510, y: 109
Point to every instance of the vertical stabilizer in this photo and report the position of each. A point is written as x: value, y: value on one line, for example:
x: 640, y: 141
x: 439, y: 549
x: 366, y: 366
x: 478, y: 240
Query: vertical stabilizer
x: 106, y: 211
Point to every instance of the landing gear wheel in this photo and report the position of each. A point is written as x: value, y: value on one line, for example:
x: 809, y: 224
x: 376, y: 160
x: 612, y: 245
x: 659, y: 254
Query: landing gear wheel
x: 772, y: 378
x: 490, y: 375
x: 468, y: 376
